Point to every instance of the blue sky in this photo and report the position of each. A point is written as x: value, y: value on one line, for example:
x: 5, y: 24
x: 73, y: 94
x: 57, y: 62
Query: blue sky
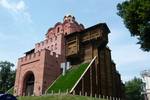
x: 25, y: 22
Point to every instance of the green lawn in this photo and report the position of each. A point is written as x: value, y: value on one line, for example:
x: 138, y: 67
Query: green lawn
x: 57, y: 97
x: 67, y: 82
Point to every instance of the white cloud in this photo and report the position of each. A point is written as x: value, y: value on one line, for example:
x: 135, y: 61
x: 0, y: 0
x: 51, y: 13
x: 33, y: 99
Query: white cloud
x: 17, y: 9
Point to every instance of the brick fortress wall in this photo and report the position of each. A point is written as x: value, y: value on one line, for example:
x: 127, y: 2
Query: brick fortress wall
x: 44, y: 60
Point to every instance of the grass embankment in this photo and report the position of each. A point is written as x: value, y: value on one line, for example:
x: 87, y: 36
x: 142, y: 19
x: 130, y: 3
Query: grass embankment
x: 57, y: 97
x: 66, y: 82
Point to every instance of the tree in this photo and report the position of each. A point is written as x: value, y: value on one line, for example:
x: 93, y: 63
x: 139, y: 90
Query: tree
x: 7, y: 75
x: 133, y: 89
x: 136, y: 17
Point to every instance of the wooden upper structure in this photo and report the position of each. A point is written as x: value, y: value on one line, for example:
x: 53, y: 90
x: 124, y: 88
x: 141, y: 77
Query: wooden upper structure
x: 75, y: 42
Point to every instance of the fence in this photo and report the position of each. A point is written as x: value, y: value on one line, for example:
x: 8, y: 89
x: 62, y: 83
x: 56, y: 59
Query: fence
x: 80, y: 94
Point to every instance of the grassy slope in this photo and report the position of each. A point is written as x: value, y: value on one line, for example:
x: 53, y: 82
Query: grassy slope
x: 56, y: 97
x: 67, y: 82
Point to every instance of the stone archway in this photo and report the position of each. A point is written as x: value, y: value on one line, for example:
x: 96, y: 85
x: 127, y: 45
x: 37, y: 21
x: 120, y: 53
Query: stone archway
x: 28, y: 86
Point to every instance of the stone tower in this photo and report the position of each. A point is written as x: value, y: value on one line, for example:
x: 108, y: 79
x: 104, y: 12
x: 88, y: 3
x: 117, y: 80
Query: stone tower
x: 41, y: 65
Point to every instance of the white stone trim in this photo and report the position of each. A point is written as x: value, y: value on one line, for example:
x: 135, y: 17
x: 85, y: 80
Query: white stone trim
x: 82, y: 74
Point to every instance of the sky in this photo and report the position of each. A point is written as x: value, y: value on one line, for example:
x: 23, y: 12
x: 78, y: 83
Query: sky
x: 25, y: 22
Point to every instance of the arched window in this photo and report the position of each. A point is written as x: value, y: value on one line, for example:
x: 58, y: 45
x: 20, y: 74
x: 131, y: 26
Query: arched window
x: 55, y: 37
x: 51, y: 47
x: 46, y: 41
x: 51, y: 39
x: 58, y: 29
x: 55, y: 46
x: 65, y: 33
